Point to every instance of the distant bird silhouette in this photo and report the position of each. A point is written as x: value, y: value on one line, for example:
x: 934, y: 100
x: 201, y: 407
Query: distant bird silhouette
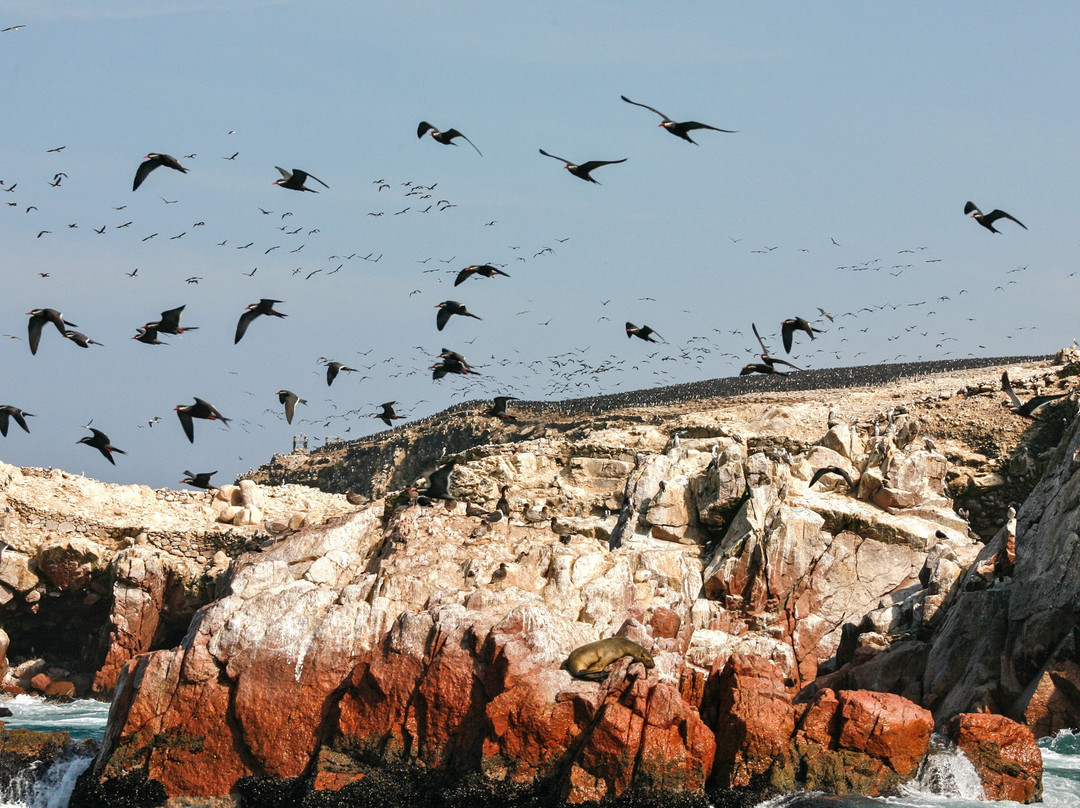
x: 484, y: 270
x: 264, y: 306
x: 1025, y: 408
x: 152, y: 161
x: 387, y: 414
x: 38, y: 318
x: 760, y: 367
x: 793, y: 324
x: 987, y: 219
x: 498, y: 408
x: 200, y: 409
x: 290, y: 400
x: 644, y: 332
x: 332, y: 370
x: 294, y: 180
x: 446, y: 138
x: 447, y: 309
x: 679, y: 129
x: 200, y: 480
x: 7, y: 412
x: 80, y: 339
x: 582, y: 171
x: 100, y: 441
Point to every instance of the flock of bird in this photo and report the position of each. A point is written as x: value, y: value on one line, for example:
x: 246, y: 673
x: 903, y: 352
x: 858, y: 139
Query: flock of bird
x: 570, y: 365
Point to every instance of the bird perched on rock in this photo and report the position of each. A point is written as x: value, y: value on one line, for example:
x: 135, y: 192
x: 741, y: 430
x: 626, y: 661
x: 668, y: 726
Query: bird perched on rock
x: 447, y: 309
x: 644, y: 332
x: 332, y: 370
x: 1025, y: 408
x: 987, y: 219
x: 200, y: 409
x: 290, y: 400
x: 484, y: 270
x: 100, y: 441
x: 294, y: 180
x: 200, y: 480
x: 498, y: 408
x: 80, y: 339
x: 446, y: 138
x: 387, y: 414
x: 793, y: 324
x: 152, y: 161
x: 264, y: 306
x: 38, y: 318
x: 7, y: 412
x: 678, y: 129
x: 582, y: 171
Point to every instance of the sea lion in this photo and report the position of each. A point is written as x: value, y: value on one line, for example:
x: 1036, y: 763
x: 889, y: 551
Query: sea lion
x: 591, y: 660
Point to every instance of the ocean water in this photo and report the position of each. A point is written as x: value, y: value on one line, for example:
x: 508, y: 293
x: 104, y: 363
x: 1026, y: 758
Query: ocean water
x: 946, y: 780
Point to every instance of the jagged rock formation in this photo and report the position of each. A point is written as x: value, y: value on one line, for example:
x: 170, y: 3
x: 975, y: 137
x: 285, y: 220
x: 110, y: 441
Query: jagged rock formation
x: 432, y: 636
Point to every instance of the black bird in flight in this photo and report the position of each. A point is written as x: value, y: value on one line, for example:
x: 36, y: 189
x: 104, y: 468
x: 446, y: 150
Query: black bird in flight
x: 289, y: 399
x: 793, y: 324
x: 438, y: 484
x: 7, y: 412
x: 987, y: 219
x: 760, y: 367
x: 200, y: 409
x: 332, y: 370
x: 679, y: 129
x: 264, y: 306
x: 100, y: 441
x: 484, y: 270
x: 446, y: 138
x: 498, y: 408
x: 80, y: 339
x: 152, y: 161
x: 294, y: 180
x: 447, y: 309
x: 387, y: 414
x: 582, y: 171
x: 38, y: 318
x: 1025, y: 408
x: 200, y: 480
x: 170, y: 322
x: 765, y: 357
x: 148, y: 334
x: 644, y: 332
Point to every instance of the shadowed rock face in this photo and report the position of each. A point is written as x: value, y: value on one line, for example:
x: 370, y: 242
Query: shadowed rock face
x: 430, y: 635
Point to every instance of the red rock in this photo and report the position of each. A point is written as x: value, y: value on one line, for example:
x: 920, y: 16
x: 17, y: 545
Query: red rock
x: 665, y: 622
x: 61, y: 690
x: 754, y: 718
x: 885, y: 726
x: 1053, y: 705
x: 40, y: 682
x: 1004, y: 753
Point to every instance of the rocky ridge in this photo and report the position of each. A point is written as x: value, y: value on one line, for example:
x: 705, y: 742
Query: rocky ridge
x: 430, y: 636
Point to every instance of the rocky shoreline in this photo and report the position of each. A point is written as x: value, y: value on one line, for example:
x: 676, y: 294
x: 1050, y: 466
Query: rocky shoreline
x: 806, y: 636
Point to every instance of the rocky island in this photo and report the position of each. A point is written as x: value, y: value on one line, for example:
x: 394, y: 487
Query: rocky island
x: 807, y: 629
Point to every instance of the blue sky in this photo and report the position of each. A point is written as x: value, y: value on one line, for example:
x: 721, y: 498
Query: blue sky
x: 862, y: 131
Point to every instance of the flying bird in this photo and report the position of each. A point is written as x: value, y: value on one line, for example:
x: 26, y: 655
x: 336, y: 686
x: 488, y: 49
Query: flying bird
x: 152, y: 161
x: 80, y: 339
x: 387, y: 414
x: 8, y: 412
x: 200, y: 409
x: 170, y: 322
x: 484, y: 270
x: 793, y: 324
x: 1025, y: 408
x: 200, y: 480
x: 765, y: 357
x: 447, y: 309
x: 582, y: 171
x: 987, y: 219
x: 452, y: 362
x: 148, y: 334
x: 498, y: 408
x: 446, y: 138
x: 100, y: 441
x: 38, y: 318
x: 679, y: 129
x: 760, y: 367
x: 264, y: 306
x: 332, y: 370
x: 289, y: 399
x: 294, y: 180
x: 644, y: 332
x: 438, y: 483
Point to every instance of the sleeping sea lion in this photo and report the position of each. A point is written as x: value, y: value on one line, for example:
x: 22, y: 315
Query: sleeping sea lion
x: 591, y: 660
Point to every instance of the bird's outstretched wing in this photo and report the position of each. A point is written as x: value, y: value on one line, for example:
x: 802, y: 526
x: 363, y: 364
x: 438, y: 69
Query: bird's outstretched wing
x: 561, y: 159
x: 651, y: 109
